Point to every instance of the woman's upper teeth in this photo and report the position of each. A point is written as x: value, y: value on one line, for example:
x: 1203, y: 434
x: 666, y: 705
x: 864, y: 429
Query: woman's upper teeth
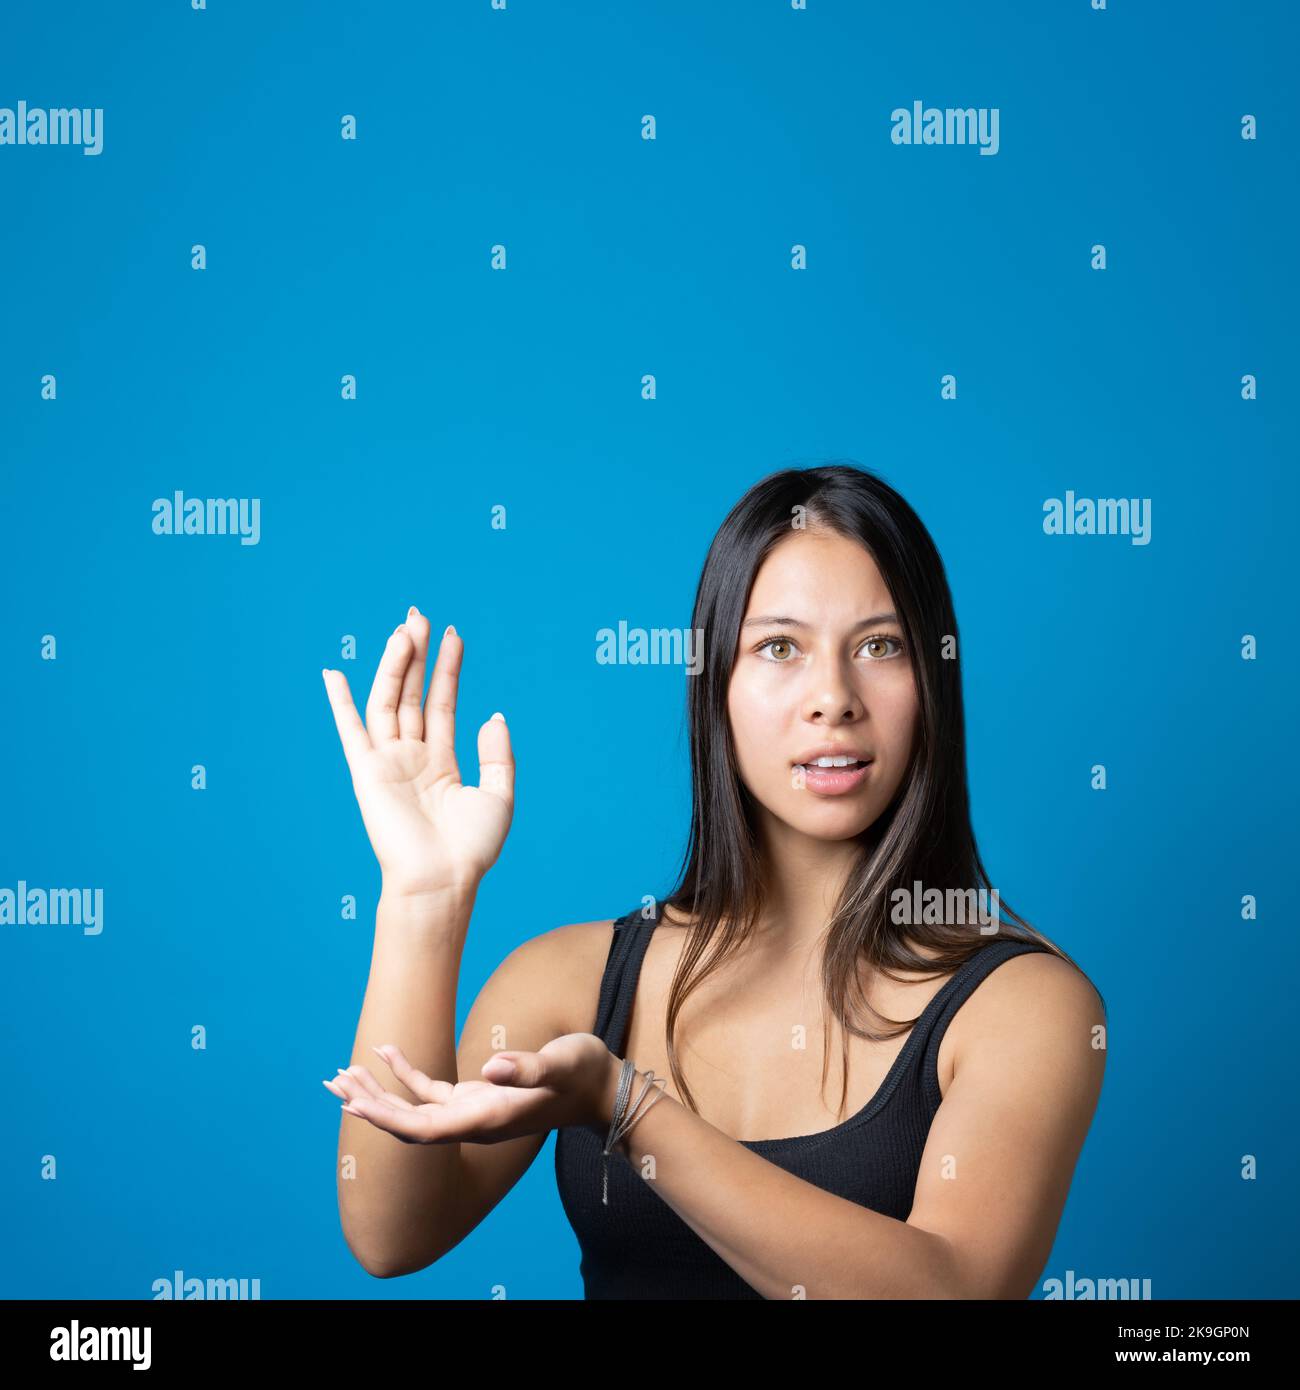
x: 832, y: 762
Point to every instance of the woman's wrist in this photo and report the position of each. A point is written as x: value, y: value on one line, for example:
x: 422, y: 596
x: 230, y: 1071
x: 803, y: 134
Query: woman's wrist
x: 607, y: 1092
x: 604, y: 1097
x: 607, y: 1096
x: 447, y: 905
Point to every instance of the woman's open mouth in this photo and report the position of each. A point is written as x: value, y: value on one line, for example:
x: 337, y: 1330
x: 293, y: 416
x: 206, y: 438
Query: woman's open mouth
x: 843, y: 776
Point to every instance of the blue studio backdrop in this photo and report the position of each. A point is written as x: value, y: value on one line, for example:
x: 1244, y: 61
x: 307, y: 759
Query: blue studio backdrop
x: 396, y: 272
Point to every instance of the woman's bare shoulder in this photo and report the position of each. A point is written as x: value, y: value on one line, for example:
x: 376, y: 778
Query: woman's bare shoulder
x: 567, y: 962
x: 1037, y: 990
x: 1038, y: 973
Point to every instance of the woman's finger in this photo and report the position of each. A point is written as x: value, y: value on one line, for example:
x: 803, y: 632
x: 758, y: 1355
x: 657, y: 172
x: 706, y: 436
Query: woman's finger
x: 415, y: 1081
x: 410, y: 720
x: 352, y: 732
x: 496, y: 760
x: 349, y: 1087
x: 526, y: 1070
x: 440, y: 707
x: 345, y: 1085
x: 361, y: 1077
x: 381, y: 707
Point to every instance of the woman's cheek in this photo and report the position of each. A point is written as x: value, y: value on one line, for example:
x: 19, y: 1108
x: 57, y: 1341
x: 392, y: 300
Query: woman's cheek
x: 755, y: 709
x: 896, y: 720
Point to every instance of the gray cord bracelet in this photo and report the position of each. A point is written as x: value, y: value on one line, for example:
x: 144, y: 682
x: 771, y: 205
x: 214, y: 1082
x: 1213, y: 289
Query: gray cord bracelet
x: 619, y: 1125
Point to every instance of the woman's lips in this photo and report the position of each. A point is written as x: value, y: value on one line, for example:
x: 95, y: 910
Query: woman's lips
x: 833, y: 781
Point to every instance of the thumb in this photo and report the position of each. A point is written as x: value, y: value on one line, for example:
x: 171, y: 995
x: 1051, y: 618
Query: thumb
x: 496, y: 760
x: 516, y: 1069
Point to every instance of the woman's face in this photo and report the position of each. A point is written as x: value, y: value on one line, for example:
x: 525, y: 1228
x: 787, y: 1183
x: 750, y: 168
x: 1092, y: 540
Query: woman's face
x: 820, y: 668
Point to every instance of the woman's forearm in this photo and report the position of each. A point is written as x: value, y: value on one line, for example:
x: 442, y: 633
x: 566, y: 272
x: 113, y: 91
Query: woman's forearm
x: 393, y: 1196
x: 785, y: 1237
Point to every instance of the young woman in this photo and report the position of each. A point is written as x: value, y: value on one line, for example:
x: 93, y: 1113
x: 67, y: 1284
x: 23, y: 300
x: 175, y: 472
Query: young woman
x: 814, y: 901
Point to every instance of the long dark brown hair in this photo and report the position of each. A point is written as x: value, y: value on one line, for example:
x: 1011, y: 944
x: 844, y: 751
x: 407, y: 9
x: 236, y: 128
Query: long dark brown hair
x: 924, y: 835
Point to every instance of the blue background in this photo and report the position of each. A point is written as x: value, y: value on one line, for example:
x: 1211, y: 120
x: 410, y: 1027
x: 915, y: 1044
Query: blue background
x: 523, y: 388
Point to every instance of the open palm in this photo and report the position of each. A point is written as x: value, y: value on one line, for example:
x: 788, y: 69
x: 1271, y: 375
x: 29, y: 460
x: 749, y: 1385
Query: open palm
x: 553, y: 1087
x: 428, y: 830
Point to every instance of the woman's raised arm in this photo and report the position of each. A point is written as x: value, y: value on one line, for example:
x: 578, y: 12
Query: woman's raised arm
x: 434, y: 838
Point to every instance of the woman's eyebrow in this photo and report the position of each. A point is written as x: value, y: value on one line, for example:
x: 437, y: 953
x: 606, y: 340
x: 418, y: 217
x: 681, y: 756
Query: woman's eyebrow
x: 796, y: 622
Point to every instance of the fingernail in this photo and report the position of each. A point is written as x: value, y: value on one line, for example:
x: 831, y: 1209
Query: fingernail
x: 413, y: 609
x: 500, y: 716
x: 451, y: 631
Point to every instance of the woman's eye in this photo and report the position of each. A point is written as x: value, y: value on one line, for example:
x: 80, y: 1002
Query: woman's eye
x: 781, y: 649
x: 873, y: 646
x: 776, y: 642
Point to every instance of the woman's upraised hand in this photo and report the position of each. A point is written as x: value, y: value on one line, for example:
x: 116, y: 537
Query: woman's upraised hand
x: 429, y: 831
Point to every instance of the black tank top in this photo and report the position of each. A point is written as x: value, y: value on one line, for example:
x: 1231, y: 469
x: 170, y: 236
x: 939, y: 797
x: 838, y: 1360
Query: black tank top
x: 638, y: 1247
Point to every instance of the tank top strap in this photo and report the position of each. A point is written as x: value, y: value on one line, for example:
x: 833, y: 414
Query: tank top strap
x: 938, y: 1014
x: 627, y: 947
